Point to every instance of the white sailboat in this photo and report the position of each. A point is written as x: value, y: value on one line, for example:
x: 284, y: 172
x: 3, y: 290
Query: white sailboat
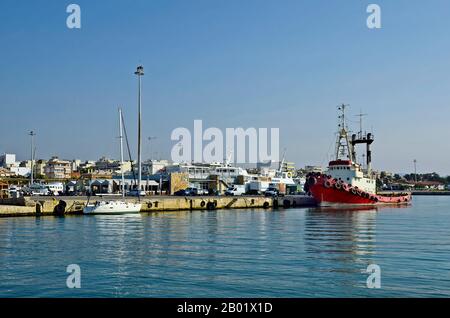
x: 114, y: 207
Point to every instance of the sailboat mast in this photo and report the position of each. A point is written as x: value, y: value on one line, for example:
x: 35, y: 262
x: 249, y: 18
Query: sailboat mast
x: 121, y: 151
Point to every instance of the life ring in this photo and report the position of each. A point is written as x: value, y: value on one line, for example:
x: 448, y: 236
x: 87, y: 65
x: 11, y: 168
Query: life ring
x: 354, y: 191
x: 266, y: 205
x: 202, y: 204
x: 312, y: 181
x: 338, y: 185
x: 210, y: 206
x: 149, y: 205
x: 345, y: 187
x: 327, y: 184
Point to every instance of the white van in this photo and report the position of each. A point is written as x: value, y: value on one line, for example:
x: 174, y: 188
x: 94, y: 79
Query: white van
x: 55, y: 188
x: 235, y: 190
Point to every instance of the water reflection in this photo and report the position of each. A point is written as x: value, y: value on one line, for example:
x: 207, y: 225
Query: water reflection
x: 243, y: 253
x: 342, y: 240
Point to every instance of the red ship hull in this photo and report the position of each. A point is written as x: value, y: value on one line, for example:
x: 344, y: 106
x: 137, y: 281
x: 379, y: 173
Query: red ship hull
x: 328, y: 192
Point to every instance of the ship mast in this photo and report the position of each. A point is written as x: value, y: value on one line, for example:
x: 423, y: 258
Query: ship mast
x: 121, y: 151
x: 343, y: 146
x: 363, y: 138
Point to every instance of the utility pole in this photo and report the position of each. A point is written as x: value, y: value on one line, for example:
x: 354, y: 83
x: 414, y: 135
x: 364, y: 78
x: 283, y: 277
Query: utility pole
x: 139, y: 72
x: 32, y: 134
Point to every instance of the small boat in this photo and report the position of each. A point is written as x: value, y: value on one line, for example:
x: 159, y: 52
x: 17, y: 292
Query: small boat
x: 346, y: 182
x: 112, y: 207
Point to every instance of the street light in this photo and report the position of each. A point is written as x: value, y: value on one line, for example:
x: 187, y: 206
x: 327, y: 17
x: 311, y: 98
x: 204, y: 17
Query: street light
x: 139, y: 72
x: 32, y: 134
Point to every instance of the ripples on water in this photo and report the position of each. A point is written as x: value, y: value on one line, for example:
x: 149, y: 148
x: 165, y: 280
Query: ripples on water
x: 237, y: 253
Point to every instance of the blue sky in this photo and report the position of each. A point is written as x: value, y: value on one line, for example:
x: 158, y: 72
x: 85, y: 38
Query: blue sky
x: 246, y: 63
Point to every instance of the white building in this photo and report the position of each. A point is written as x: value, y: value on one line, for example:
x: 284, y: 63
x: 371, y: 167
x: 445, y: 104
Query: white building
x: 7, y: 160
x: 75, y: 164
x: 152, y: 167
x: 21, y: 171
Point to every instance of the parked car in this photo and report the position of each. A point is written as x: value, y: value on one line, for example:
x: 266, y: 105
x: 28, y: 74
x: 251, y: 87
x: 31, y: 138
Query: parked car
x: 37, y: 190
x: 180, y: 193
x: 192, y: 192
x: 136, y: 193
x: 187, y: 192
x: 271, y: 192
x: 202, y: 192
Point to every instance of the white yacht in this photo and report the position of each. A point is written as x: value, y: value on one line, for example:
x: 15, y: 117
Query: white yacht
x: 112, y: 207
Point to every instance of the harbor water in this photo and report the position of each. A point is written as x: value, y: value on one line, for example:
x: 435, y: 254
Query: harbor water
x: 308, y: 252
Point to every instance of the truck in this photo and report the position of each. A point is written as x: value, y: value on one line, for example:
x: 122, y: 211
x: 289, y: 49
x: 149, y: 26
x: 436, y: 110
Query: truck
x: 257, y: 186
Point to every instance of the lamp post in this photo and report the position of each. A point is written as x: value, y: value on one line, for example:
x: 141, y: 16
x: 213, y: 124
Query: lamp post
x: 415, y: 170
x: 32, y: 134
x: 139, y: 72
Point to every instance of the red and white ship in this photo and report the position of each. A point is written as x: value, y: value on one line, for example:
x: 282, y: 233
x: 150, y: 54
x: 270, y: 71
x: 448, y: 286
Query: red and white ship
x: 347, y: 182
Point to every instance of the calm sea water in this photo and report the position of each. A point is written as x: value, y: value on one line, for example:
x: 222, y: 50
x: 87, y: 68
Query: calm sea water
x: 237, y: 253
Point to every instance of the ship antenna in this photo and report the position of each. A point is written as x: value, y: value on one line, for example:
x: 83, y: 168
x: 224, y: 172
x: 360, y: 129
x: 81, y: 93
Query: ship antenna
x: 360, y: 115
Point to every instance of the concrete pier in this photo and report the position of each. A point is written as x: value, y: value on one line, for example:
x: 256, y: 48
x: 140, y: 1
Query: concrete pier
x: 74, y: 205
x: 35, y: 206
